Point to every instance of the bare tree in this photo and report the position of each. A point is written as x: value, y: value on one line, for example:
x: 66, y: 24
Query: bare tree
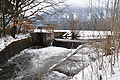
x: 74, y: 27
x: 19, y: 9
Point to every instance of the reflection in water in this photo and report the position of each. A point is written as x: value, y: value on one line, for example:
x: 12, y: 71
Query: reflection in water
x: 31, y: 62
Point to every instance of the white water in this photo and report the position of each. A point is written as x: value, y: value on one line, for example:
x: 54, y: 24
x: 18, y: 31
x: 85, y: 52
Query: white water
x: 34, y: 62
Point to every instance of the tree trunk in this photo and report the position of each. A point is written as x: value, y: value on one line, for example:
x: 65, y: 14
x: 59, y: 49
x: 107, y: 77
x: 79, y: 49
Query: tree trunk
x: 15, y: 22
x: 3, y: 24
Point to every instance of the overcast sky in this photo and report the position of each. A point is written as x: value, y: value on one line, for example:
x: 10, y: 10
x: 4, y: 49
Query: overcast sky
x: 80, y: 3
x: 85, y: 3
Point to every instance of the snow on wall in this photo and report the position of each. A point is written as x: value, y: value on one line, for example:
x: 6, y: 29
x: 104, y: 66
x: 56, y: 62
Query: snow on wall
x: 5, y: 41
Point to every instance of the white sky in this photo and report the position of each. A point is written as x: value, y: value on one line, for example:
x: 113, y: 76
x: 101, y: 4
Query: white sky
x: 85, y: 3
x: 81, y: 3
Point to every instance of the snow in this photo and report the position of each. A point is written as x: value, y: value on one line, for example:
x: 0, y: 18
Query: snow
x: 0, y: 69
x: 56, y: 76
x: 95, y: 70
x: 5, y: 41
x: 74, y: 63
x: 93, y: 33
x: 42, y: 30
x: 115, y: 76
x: 85, y: 34
x: 67, y: 40
x: 69, y: 67
x: 62, y: 31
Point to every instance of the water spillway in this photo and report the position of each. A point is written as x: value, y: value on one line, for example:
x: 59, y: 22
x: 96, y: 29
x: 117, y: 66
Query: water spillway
x: 30, y: 63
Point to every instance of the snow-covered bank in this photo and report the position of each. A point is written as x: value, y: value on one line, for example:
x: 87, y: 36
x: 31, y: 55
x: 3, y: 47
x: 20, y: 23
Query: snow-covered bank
x: 87, y: 64
x: 5, y: 41
x: 86, y: 34
x: 100, y: 70
x: 80, y: 59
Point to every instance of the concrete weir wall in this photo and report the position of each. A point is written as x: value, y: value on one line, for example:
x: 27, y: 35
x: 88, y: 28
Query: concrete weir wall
x: 42, y: 39
x: 66, y: 44
x: 14, y: 48
x: 36, y: 39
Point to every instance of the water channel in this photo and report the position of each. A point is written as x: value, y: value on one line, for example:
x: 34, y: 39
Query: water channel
x: 32, y: 62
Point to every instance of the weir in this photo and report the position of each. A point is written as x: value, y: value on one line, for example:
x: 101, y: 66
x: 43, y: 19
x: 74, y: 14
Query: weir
x: 43, y: 39
x: 37, y: 40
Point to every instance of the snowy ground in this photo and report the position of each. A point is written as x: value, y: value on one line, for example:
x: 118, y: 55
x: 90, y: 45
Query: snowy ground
x: 5, y: 41
x: 86, y: 65
x: 97, y: 72
x: 85, y: 34
x: 83, y: 56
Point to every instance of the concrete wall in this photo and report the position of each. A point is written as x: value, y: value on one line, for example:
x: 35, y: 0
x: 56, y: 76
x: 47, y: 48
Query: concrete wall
x: 66, y: 44
x: 58, y: 34
x: 14, y: 48
x: 37, y: 39
x: 42, y: 39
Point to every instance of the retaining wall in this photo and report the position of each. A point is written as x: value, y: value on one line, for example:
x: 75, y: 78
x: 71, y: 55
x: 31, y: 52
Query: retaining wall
x: 14, y: 48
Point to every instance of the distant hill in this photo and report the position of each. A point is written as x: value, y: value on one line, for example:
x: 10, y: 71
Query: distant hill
x: 85, y: 15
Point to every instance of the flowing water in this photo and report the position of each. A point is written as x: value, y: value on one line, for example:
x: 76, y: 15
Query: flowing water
x: 31, y: 63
